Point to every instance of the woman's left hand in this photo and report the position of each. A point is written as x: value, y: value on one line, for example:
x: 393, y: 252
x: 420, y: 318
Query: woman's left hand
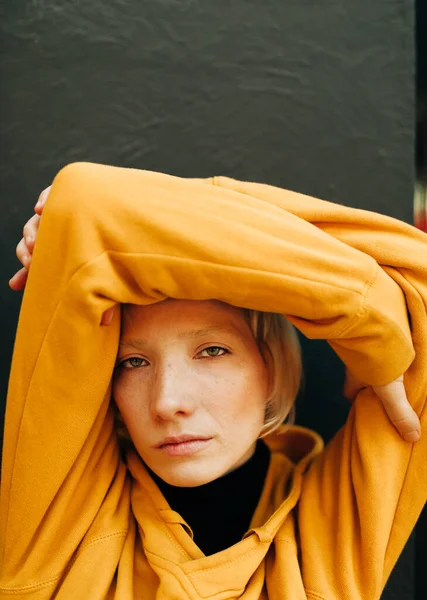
x: 107, y: 317
x: 395, y: 402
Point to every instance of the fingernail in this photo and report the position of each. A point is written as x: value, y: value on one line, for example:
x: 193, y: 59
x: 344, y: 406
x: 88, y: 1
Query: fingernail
x: 414, y: 436
x: 29, y: 239
x: 25, y: 258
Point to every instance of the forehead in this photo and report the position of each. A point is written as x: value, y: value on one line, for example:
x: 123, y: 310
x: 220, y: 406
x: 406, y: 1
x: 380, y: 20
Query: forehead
x: 183, y: 314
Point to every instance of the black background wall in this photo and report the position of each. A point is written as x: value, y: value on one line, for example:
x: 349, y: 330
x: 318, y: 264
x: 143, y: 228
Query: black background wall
x: 312, y: 95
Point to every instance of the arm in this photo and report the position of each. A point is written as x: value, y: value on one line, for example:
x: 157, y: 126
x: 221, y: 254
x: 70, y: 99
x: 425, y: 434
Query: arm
x: 62, y: 479
x: 111, y: 235
x: 362, y: 497
x: 392, y: 395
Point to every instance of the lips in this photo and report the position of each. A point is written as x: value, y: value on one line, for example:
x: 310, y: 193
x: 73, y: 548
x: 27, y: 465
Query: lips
x: 179, y: 439
x: 184, y: 445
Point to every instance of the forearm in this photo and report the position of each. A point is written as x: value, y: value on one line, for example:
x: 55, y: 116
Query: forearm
x: 198, y: 240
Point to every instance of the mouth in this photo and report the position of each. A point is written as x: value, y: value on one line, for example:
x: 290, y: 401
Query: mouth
x: 184, y: 445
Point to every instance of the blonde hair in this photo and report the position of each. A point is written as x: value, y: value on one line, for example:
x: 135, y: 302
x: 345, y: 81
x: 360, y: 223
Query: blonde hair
x: 279, y: 346
x: 278, y: 343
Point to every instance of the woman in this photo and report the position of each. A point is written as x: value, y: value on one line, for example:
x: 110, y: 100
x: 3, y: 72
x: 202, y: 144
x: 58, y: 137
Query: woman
x: 204, y: 367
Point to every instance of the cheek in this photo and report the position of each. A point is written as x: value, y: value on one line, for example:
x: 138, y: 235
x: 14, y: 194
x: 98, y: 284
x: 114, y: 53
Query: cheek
x: 128, y: 397
x: 240, y: 396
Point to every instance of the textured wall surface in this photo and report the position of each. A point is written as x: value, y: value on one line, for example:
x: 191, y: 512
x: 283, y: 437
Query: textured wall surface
x: 316, y: 96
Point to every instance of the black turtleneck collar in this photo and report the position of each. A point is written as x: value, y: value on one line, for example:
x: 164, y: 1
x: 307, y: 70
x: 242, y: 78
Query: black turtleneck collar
x: 220, y: 512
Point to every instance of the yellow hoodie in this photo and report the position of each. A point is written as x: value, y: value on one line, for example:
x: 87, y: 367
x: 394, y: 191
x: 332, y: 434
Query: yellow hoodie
x: 79, y: 523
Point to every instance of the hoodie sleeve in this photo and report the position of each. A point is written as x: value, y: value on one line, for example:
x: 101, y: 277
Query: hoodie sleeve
x: 112, y: 235
x: 362, y: 496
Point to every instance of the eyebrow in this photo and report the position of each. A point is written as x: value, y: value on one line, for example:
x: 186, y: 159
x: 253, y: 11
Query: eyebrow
x: 194, y: 334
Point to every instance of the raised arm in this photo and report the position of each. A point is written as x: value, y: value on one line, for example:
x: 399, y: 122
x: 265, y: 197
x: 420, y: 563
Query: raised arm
x: 111, y: 235
x: 363, y: 495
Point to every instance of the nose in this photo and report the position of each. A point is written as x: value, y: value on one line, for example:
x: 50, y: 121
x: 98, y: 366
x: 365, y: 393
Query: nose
x: 172, y: 393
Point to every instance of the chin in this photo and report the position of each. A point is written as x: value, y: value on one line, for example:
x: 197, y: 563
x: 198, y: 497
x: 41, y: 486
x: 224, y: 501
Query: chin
x: 189, y: 475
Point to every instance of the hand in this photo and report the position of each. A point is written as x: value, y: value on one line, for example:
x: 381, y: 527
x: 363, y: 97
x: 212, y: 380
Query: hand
x: 395, y: 402
x: 25, y: 248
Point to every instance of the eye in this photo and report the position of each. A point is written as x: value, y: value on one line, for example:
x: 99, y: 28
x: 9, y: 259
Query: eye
x: 132, y: 363
x: 214, y: 351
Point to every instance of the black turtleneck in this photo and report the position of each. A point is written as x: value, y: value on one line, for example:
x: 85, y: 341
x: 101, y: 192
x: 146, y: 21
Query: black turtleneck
x: 220, y: 512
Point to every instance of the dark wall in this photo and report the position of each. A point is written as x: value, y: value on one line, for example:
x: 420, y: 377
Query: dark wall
x: 421, y: 60
x: 316, y: 96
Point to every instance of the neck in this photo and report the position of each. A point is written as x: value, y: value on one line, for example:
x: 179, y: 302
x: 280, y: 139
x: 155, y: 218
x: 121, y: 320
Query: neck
x: 229, y: 502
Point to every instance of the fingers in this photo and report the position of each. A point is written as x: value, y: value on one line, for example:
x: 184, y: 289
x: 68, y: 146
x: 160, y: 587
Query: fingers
x: 23, y: 254
x: 42, y: 200
x: 30, y: 230
x: 398, y: 409
x: 25, y: 247
x: 18, y: 281
x: 107, y: 317
x: 395, y: 402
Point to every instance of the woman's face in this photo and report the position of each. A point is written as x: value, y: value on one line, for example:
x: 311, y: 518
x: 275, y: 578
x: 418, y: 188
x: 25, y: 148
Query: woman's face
x: 191, y: 386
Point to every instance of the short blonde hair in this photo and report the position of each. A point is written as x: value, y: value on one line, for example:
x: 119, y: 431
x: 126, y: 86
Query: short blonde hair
x: 279, y: 346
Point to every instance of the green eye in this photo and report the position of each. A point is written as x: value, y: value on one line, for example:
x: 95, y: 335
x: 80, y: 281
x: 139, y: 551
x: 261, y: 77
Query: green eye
x: 132, y: 363
x: 215, y: 351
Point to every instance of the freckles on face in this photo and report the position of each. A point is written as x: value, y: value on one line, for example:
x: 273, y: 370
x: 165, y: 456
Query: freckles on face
x: 191, y: 387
